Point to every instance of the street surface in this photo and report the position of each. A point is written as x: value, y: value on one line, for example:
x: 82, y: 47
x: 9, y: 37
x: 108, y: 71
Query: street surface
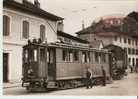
x: 127, y: 86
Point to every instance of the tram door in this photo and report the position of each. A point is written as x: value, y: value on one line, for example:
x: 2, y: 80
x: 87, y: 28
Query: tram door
x: 5, y: 67
x: 43, y: 63
x: 51, y: 58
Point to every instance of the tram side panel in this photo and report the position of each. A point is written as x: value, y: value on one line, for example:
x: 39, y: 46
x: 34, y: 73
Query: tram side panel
x: 67, y: 69
x: 96, y: 65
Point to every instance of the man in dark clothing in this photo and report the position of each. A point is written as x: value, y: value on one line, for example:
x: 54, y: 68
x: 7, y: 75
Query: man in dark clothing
x: 104, y: 76
x: 88, y: 78
x: 131, y: 68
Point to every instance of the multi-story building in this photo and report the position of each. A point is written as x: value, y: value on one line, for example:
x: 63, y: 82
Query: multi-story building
x: 23, y: 20
x: 108, y: 30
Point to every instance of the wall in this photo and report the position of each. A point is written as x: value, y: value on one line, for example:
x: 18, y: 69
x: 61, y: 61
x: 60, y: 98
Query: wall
x: 15, y: 62
x: 110, y: 40
x: 91, y: 37
x: 13, y: 43
x: 126, y: 45
x: 35, y: 22
x: 106, y: 40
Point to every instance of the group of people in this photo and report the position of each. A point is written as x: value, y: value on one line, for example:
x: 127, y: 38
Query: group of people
x: 90, y: 79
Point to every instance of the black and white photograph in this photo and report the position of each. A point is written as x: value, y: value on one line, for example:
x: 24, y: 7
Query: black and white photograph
x: 70, y: 47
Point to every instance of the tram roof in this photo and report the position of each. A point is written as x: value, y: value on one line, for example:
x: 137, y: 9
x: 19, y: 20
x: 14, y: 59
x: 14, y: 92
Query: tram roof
x: 79, y: 47
x: 66, y: 46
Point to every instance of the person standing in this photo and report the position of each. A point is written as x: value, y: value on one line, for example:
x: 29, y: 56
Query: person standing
x: 131, y: 68
x: 88, y: 78
x: 104, y: 76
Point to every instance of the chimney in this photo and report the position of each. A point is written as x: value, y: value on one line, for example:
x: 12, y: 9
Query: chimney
x: 83, y: 25
x: 37, y: 3
x: 60, y: 26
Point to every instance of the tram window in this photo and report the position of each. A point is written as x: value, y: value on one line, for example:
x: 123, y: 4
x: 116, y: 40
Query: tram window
x: 76, y: 54
x: 31, y: 57
x: 35, y: 55
x: 96, y: 57
x: 70, y: 56
x: 64, y: 56
x: 25, y: 56
x: 51, y: 57
x: 48, y: 56
x: 42, y: 54
x: 84, y: 57
x: 103, y: 58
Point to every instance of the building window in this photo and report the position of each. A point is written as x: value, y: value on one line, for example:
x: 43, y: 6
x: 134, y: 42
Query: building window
x: 111, y: 22
x: 129, y: 51
x: 133, y: 51
x: 6, y: 25
x: 115, y: 22
x: 136, y: 42
x: 125, y: 40
x: 25, y: 29
x: 125, y: 50
x: 129, y: 41
x: 120, y: 39
x: 133, y: 61
x: 132, y: 42
x: 129, y: 60
x: 119, y: 21
x: 136, y: 52
x: 42, y: 32
x: 115, y: 38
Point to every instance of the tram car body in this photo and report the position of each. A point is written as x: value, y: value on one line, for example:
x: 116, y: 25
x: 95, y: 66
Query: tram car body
x: 119, y: 61
x: 59, y: 65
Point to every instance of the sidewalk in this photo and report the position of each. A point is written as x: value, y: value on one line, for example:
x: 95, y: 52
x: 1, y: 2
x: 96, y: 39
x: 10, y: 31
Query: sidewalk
x: 11, y: 85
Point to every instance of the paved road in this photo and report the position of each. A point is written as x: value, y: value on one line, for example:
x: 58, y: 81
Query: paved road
x: 127, y: 86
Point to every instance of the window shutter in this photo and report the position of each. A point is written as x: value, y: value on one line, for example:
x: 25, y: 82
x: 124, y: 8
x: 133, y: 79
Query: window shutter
x: 6, y: 25
x: 25, y: 29
x: 42, y: 32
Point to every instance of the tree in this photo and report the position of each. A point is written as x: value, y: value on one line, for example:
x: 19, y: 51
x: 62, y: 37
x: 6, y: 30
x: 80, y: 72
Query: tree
x: 130, y: 26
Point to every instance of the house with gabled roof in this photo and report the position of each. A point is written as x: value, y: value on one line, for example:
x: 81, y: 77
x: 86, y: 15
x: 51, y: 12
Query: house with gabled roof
x: 111, y: 31
x: 23, y: 20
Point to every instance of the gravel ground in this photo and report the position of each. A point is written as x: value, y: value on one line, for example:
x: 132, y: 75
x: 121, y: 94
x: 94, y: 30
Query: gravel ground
x: 127, y: 86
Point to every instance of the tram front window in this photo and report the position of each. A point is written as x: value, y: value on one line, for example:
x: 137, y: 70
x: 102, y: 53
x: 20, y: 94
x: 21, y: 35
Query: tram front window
x: 32, y: 55
x: 25, y: 56
x: 35, y: 55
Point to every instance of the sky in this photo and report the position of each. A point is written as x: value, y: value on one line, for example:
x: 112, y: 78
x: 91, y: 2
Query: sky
x: 76, y: 12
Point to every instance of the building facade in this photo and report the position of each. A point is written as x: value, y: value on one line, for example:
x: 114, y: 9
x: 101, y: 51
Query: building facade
x: 23, y: 20
x: 110, y: 33
x: 70, y: 39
